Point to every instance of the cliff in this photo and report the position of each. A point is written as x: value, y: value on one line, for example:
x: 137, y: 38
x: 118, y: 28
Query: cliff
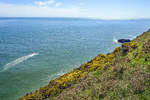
x: 122, y: 74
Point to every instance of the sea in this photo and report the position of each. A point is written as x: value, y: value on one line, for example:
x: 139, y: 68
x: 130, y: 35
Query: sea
x: 34, y: 51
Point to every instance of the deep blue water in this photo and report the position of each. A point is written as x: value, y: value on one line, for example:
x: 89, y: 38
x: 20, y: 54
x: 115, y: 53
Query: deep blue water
x: 35, y: 50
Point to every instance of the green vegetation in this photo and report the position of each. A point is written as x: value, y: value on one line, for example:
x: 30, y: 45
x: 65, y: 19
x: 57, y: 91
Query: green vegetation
x: 121, y: 75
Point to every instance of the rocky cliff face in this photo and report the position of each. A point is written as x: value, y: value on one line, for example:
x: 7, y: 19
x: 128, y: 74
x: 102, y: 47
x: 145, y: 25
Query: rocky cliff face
x: 122, y: 74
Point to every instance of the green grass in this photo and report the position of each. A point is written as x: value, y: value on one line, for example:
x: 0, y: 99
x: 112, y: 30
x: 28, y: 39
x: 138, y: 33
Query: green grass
x: 121, y: 75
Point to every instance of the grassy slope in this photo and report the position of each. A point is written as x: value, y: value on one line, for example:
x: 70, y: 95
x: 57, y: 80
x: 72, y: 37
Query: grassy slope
x: 123, y: 74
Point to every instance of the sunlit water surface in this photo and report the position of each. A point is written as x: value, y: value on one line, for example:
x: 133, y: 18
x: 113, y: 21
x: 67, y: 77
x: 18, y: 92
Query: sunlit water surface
x: 34, y: 51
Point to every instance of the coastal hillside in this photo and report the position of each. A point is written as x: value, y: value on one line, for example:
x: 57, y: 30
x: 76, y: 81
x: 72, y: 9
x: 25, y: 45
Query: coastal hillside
x: 123, y: 74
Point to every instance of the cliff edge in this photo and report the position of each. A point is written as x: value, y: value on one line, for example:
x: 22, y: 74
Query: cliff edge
x: 123, y: 74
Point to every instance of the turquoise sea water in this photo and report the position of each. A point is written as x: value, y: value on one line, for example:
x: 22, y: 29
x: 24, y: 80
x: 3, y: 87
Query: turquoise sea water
x: 35, y: 50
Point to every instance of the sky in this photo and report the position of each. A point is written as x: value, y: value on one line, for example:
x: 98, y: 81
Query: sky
x: 99, y: 9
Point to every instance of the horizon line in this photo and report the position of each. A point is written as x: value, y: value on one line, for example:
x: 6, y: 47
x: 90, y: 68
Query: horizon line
x: 75, y: 18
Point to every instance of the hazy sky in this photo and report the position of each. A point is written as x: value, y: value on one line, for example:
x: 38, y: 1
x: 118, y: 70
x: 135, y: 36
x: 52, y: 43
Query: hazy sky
x: 102, y: 9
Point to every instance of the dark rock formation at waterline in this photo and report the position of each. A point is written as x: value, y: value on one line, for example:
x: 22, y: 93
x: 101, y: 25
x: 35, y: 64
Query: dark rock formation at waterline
x: 124, y: 40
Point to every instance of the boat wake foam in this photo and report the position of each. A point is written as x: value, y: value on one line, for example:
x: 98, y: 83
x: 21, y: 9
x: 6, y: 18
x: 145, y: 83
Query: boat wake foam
x: 17, y: 61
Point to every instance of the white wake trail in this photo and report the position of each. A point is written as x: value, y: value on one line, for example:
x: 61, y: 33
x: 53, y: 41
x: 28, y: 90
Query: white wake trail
x: 17, y: 61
